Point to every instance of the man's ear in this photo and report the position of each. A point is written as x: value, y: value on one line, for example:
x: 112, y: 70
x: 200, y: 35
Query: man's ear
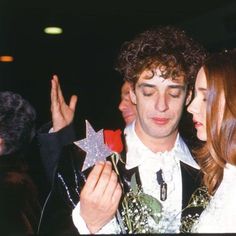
x: 189, y: 97
x: 132, y: 96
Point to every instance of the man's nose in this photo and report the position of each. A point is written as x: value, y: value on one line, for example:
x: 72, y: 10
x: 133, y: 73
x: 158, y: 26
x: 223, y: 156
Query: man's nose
x: 161, y: 103
x: 121, y: 106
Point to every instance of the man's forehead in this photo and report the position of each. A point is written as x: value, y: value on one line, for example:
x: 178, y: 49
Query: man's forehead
x: 150, y: 75
x: 125, y: 88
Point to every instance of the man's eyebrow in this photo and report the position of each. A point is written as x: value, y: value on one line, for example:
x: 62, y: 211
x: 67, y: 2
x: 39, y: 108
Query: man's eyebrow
x: 146, y: 85
x: 172, y: 86
x: 177, y: 86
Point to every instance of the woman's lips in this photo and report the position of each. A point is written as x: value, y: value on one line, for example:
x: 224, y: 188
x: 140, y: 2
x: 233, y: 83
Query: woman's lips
x: 197, y: 124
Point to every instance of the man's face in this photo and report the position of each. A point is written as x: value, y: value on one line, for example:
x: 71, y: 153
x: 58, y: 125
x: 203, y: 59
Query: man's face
x: 127, y: 108
x: 159, y: 104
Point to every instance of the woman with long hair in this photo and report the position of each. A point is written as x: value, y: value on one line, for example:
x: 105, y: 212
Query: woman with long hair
x: 214, y: 116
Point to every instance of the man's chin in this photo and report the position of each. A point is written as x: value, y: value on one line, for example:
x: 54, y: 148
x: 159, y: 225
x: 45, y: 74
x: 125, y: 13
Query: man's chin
x: 129, y: 119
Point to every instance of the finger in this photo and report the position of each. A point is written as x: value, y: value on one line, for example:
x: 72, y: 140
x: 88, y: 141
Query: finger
x: 111, y: 186
x: 54, y: 95
x: 93, y: 177
x: 103, y: 180
x: 55, y: 78
x: 60, y: 94
x: 116, y: 195
x: 73, y: 102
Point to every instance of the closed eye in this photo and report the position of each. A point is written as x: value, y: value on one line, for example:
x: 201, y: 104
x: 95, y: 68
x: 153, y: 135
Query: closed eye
x: 175, y: 92
x: 148, y: 91
x: 174, y: 95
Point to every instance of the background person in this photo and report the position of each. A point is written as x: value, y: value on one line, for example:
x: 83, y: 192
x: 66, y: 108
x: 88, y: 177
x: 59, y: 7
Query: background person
x: 126, y: 107
x: 20, y: 209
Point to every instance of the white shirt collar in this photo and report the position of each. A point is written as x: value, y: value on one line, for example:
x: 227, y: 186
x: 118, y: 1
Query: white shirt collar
x: 138, y: 153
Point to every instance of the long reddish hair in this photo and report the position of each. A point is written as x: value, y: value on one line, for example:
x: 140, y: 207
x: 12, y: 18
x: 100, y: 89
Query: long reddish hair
x: 220, y: 147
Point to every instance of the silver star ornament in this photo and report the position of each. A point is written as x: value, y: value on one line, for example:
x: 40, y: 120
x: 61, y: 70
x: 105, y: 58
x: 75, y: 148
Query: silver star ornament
x: 94, y: 147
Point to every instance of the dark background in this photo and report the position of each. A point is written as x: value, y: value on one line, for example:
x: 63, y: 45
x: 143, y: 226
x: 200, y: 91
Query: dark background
x: 83, y: 57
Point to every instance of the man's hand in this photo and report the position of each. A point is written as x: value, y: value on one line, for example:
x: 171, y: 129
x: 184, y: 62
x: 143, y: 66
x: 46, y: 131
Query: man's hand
x: 62, y: 114
x: 100, y: 197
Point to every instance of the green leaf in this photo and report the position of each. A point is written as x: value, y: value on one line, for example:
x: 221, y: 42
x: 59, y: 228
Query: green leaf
x: 153, y: 205
x: 133, y: 183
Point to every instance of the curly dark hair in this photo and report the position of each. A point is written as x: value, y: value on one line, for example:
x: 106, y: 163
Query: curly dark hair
x: 165, y: 46
x: 17, y: 122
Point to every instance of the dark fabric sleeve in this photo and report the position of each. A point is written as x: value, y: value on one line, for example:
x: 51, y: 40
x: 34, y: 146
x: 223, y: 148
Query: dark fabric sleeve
x: 50, y: 146
x: 65, y: 193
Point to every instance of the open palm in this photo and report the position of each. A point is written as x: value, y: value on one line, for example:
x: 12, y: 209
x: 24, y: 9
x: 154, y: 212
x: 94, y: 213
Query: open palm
x: 62, y: 114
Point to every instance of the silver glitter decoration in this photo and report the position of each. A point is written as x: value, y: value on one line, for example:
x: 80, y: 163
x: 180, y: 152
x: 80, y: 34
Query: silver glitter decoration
x: 94, y: 146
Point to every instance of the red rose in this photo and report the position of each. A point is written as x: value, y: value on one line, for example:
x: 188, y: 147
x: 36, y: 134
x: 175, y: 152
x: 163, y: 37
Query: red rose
x: 113, y: 140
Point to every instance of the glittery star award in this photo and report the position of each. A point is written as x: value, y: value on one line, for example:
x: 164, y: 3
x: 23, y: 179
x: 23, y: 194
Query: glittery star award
x: 94, y: 147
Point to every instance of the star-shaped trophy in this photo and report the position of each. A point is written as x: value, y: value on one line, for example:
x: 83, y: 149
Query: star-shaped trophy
x: 94, y: 147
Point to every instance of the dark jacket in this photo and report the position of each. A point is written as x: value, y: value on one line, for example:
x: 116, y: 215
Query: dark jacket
x: 68, y: 180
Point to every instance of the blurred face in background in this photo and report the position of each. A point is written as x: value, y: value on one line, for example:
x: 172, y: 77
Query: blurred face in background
x: 127, y: 108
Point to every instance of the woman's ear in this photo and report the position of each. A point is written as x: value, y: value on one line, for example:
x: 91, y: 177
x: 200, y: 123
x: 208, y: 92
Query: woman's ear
x: 189, y: 97
x: 132, y: 96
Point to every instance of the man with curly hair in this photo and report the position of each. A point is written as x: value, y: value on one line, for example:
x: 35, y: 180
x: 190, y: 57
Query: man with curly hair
x: 160, y: 65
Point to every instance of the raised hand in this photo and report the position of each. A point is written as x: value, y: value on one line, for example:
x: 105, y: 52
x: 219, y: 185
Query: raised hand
x: 62, y: 114
x: 100, y: 196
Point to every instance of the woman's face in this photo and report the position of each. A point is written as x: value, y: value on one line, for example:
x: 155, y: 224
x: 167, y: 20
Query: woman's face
x: 198, y: 106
